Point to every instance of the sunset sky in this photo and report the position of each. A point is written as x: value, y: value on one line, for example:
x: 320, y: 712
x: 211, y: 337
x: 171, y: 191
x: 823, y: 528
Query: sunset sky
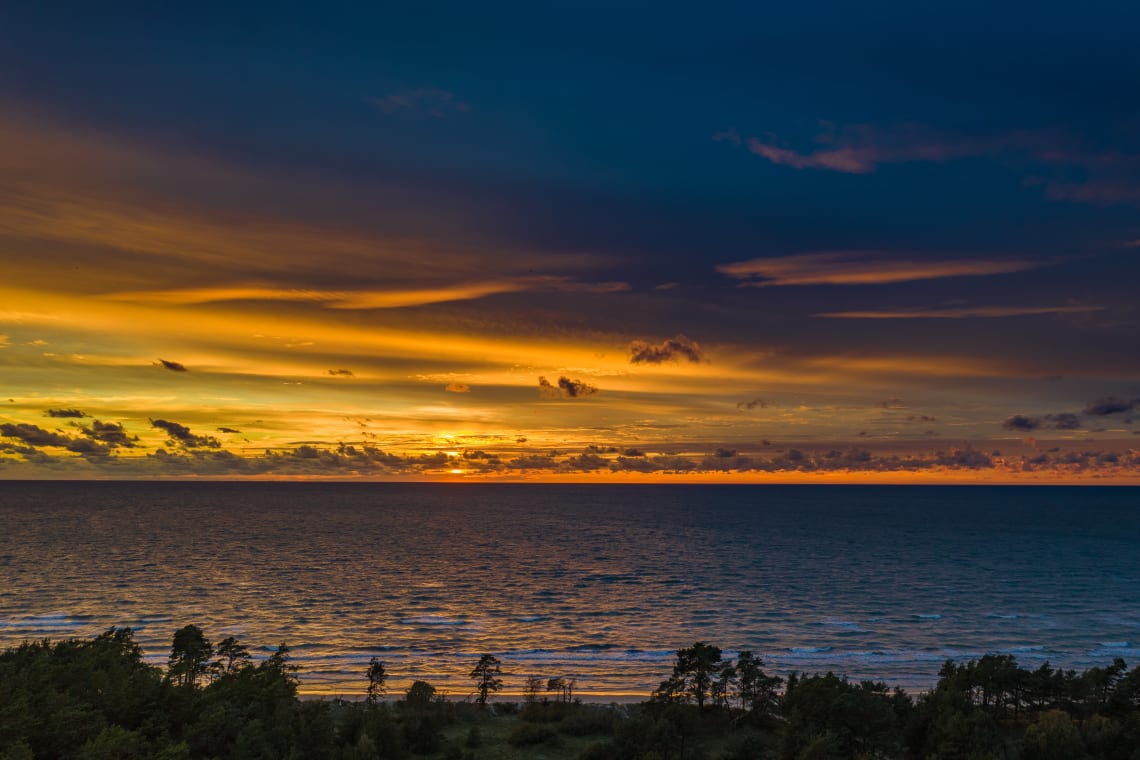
x: 453, y: 241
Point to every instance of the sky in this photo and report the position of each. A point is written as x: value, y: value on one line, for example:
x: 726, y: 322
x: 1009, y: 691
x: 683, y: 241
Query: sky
x: 820, y: 242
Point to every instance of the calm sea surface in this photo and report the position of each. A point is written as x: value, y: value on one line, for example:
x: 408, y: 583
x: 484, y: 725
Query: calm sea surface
x: 601, y: 583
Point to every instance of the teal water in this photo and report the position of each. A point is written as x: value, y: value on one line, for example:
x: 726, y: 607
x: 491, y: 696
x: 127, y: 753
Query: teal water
x: 601, y: 583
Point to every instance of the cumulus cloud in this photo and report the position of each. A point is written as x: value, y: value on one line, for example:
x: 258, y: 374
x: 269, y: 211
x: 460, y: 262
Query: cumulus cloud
x: 342, y: 373
x: 66, y: 413
x: 172, y: 366
x: 181, y: 435
x: 670, y: 349
x: 575, y: 388
x: 33, y: 435
x: 356, y: 460
x: 566, y: 388
x: 1064, y: 421
x: 457, y: 388
x: 1109, y: 405
x: 113, y: 434
x: 1021, y: 422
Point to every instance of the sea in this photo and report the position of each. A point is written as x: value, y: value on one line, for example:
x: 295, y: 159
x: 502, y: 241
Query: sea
x: 599, y: 583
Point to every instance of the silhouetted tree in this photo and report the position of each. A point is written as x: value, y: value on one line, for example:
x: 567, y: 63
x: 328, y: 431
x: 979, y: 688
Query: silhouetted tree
x: 722, y: 688
x: 758, y: 690
x: 190, y: 654
x: 486, y: 674
x: 377, y: 680
x: 533, y: 687
x: 419, y: 694
x: 1053, y: 737
x: 232, y: 656
x: 563, y: 686
x: 693, y: 671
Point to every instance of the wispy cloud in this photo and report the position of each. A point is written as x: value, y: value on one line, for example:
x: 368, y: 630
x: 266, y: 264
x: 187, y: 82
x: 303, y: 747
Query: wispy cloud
x: 861, y: 268
x: 960, y: 312
x: 172, y: 366
x: 1109, y: 177
x: 387, y: 298
x: 861, y: 149
x: 457, y: 388
x: 426, y: 100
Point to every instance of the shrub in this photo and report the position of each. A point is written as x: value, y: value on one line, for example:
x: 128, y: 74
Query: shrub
x: 588, y: 721
x: 529, y: 734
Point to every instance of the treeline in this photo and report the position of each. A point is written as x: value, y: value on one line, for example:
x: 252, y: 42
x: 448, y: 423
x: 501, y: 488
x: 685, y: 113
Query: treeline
x: 97, y: 699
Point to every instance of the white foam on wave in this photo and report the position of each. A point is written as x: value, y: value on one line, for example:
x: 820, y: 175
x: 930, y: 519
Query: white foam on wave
x: 530, y: 618
x: 1114, y: 644
x: 60, y: 620
x: 929, y: 616
x: 809, y: 650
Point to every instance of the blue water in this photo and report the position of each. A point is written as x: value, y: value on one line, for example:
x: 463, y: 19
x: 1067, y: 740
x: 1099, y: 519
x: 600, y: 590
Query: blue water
x: 601, y: 583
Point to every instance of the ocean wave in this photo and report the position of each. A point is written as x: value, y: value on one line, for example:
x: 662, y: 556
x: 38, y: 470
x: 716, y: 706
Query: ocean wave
x: 42, y: 621
x: 844, y: 625
x: 434, y: 620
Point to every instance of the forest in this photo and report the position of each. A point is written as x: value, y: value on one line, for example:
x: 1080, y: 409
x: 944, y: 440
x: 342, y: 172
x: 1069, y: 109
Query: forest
x: 98, y: 698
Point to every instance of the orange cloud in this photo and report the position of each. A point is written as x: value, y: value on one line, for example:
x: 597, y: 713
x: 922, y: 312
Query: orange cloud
x: 393, y: 298
x: 861, y: 268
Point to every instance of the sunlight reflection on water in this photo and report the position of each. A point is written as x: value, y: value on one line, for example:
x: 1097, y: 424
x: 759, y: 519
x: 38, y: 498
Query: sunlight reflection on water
x: 601, y: 583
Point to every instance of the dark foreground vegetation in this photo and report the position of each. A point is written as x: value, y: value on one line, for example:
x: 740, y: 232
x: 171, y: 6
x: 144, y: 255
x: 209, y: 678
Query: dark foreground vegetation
x: 98, y: 699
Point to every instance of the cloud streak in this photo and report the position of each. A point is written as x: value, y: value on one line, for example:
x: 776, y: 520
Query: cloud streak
x: 861, y: 149
x: 861, y: 268
x: 426, y: 100
x: 970, y: 312
x: 391, y: 298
